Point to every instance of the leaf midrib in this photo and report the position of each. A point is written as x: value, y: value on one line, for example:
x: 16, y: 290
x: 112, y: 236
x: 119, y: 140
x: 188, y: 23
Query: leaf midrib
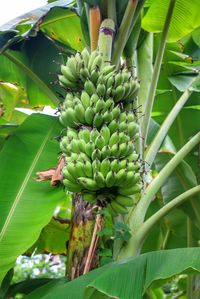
x: 54, y: 20
x: 24, y: 184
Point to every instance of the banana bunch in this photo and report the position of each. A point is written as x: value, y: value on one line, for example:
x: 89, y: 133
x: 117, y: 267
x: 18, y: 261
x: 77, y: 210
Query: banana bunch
x: 101, y: 130
x: 88, y: 72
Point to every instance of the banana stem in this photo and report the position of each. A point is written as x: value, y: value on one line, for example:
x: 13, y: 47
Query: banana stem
x: 156, y: 72
x: 145, y: 67
x: 105, y: 42
x: 112, y: 10
x: 190, y: 243
x: 95, y: 21
x: 124, y: 31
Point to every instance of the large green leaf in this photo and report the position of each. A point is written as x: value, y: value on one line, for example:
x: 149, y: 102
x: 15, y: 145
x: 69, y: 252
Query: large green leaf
x: 25, y: 205
x: 128, y: 279
x: 186, y: 17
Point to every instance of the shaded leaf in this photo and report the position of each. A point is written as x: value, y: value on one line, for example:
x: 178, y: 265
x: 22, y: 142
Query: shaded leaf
x: 64, y: 26
x: 181, y: 180
x: 53, y: 238
x: 27, y: 286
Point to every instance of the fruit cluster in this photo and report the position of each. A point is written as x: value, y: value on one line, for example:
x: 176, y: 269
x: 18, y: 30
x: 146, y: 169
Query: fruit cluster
x: 101, y: 130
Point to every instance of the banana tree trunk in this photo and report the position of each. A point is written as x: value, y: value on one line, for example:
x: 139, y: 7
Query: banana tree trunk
x: 82, y: 246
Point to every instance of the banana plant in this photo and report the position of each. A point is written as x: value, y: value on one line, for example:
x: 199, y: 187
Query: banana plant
x: 122, y: 164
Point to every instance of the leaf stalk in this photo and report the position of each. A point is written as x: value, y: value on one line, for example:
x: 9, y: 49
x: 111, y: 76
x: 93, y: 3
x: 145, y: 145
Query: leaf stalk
x: 156, y: 72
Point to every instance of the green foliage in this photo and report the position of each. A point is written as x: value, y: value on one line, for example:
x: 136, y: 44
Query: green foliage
x: 28, y: 145
x: 143, y: 271
x: 34, y: 150
x: 186, y: 18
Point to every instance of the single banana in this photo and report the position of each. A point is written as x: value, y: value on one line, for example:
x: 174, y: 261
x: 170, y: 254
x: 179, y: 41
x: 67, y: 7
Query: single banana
x: 105, y: 167
x: 99, y: 179
x: 89, y: 87
x: 89, y: 115
x: 110, y: 179
x: 98, y: 120
x: 119, y: 209
x: 87, y: 183
x: 100, y: 142
x: 105, y: 152
x: 85, y: 99
x: 105, y: 132
x: 72, y: 187
x: 124, y: 200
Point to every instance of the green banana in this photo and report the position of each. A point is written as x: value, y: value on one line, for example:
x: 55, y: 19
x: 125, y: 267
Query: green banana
x: 114, y: 138
x: 71, y: 63
x: 94, y: 99
x: 107, y: 117
x: 93, y: 55
x: 100, y: 105
x: 115, y: 165
x: 99, y: 179
x: 105, y: 167
x: 118, y: 79
x: 71, y: 133
x: 65, y: 70
x: 89, y: 87
x: 110, y: 179
x: 113, y: 126
x: 130, y: 190
x: 98, y: 61
x: 87, y: 183
x: 132, y: 129
x: 89, y: 148
x: 105, y: 132
x: 101, y: 90
x: 94, y: 76
x: 89, y: 115
x: 119, y: 209
x: 69, y: 84
x: 96, y: 154
x: 107, y: 69
x: 85, y: 99
x: 94, y: 134
x: 68, y: 176
x: 84, y: 134
x: 80, y: 113
x: 105, y: 152
x: 119, y: 93
x: 124, y: 200
x: 72, y: 187
x: 100, y: 142
x: 86, y: 56
x: 120, y: 177
x: 98, y: 120
x: 96, y: 165
x: 111, y: 211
